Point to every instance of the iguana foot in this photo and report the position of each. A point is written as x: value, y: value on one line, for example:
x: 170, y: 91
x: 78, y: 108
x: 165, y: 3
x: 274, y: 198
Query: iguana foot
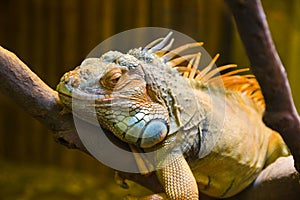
x: 177, y: 179
x: 149, y: 197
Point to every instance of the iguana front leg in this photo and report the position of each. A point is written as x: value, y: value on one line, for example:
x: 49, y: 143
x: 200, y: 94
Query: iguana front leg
x: 174, y: 174
x: 177, y: 179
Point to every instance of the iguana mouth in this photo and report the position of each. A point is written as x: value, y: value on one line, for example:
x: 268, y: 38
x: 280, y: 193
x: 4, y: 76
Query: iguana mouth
x: 79, y: 95
x: 96, y: 98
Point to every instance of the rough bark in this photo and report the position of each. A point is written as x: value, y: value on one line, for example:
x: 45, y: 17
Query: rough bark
x: 281, y: 114
x: 26, y: 89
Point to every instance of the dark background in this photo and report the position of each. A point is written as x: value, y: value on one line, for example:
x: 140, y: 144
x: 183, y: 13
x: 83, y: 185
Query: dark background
x: 54, y: 36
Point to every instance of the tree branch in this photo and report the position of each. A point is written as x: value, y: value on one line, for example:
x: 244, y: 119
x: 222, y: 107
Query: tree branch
x: 26, y: 89
x: 280, y: 114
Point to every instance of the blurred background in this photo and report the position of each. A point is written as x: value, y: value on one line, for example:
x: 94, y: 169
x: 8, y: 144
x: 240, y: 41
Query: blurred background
x: 54, y: 36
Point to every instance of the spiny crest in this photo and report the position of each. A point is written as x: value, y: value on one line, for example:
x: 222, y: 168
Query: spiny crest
x: 187, y: 66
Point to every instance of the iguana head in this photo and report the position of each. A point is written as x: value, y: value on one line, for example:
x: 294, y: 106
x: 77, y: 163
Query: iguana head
x: 117, y: 91
x: 139, y: 96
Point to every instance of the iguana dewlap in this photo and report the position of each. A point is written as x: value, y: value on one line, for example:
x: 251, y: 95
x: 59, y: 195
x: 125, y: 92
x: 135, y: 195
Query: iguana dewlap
x: 205, y: 128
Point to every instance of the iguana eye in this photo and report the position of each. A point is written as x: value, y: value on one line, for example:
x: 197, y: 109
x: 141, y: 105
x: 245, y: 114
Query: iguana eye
x: 111, y: 78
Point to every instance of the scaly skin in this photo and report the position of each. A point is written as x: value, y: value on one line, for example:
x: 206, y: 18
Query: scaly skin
x: 209, y: 138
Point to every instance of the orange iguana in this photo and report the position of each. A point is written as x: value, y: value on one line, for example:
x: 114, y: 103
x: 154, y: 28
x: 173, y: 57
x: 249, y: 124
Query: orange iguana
x: 205, y: 129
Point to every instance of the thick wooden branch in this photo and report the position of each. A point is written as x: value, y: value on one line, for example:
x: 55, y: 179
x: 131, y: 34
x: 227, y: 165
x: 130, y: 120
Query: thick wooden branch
x: 280, y: 180
x: 26, y: 89
x: 280, y: 114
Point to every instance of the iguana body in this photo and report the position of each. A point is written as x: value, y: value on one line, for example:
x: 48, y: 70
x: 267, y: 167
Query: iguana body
x: 206, y: 137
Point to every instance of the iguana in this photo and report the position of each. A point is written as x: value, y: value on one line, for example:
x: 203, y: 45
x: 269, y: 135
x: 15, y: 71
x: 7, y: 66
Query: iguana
x: 205, y: 128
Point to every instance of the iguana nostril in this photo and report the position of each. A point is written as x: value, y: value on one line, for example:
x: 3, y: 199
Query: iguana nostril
x: 75, y: 82
x: 71, y: 79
